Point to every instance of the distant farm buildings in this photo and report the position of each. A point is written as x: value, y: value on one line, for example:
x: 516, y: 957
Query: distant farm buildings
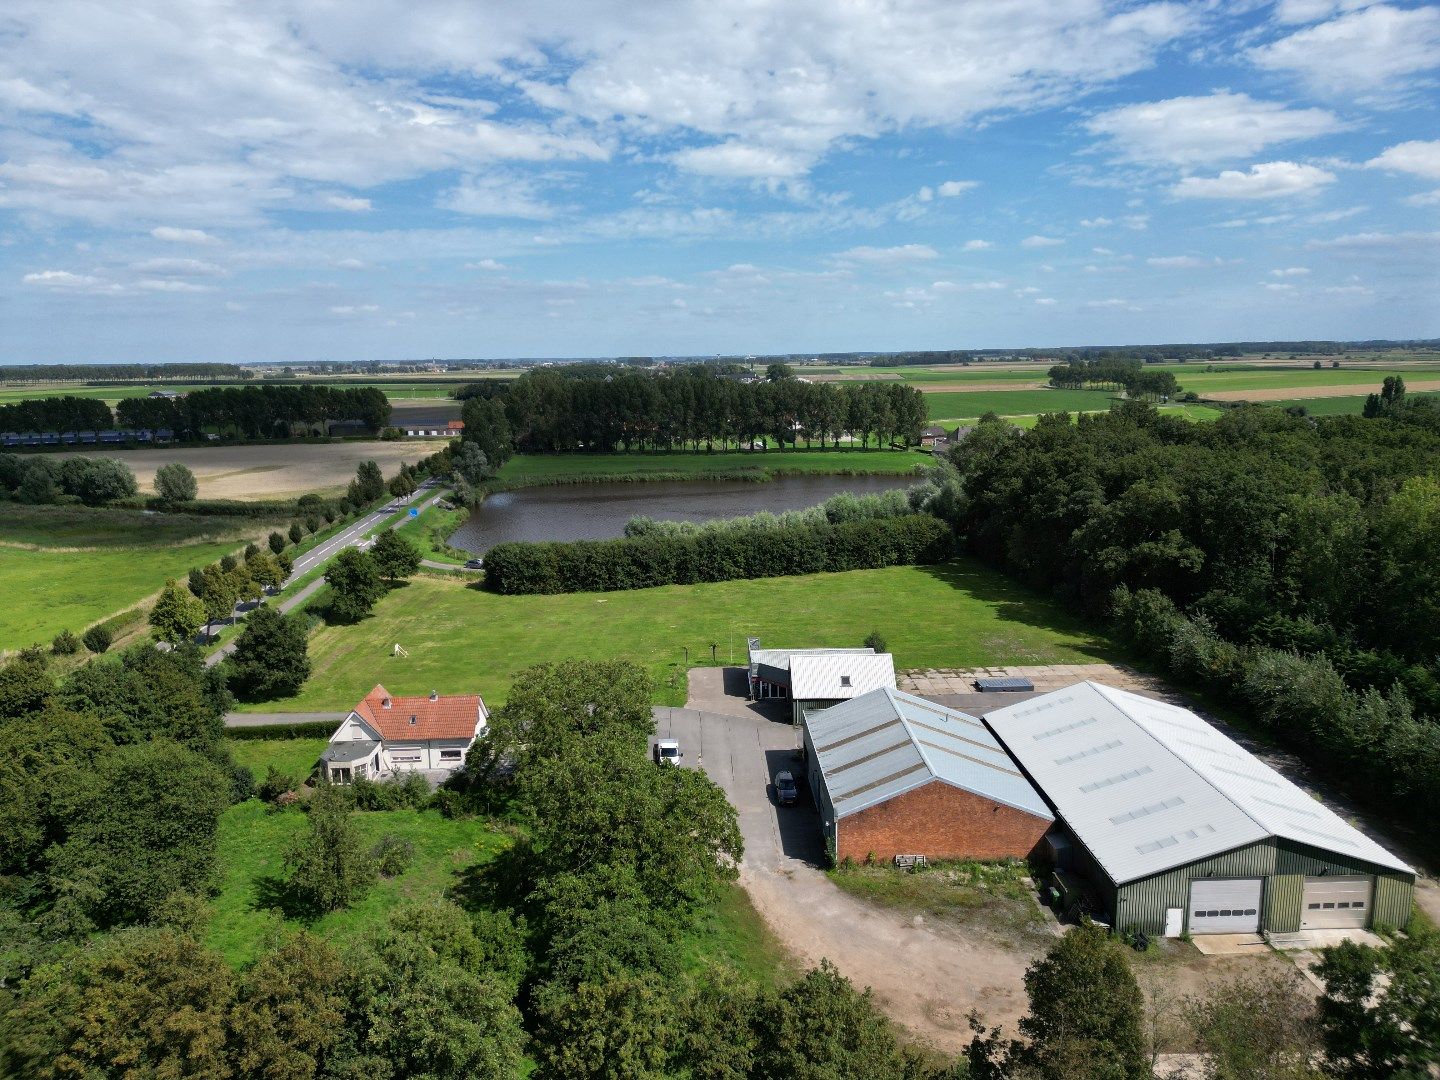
x: 86, y: 438
x: 433, y: 429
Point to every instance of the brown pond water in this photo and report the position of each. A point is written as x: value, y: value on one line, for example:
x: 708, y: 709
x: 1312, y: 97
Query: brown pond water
x: 600, y: 511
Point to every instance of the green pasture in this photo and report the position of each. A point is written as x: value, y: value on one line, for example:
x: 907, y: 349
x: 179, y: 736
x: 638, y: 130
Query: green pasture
x: 461, y: 639
x: 1298, y: 377
x: 1185, y: 412
x: 538, y: 469
x: 110, y: 393
x: 114, y: 392
x: 293, y: 757
x: 67, y: 567
x: 970, y: 404
x: 975, y: 373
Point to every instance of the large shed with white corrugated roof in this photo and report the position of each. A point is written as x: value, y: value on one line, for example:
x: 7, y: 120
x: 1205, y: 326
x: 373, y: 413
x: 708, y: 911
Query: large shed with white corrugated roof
x: 1180, y: 829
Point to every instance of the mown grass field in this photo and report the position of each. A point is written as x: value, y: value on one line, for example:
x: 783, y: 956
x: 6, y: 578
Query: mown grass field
x: 536, y: 469
x: 1193, y: 377
x: 110, y: 393
x: 462, y: 640
x: 1185, y: 412
x: 963, y: 404
x: 79, y: 565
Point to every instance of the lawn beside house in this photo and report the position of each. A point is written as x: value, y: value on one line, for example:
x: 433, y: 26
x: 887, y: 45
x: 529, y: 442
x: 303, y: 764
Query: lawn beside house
x: 293, y: 757
x: 461, y: 639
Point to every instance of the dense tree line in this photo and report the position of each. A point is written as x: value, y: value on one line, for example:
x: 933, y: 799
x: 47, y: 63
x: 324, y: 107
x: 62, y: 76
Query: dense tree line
x: 604, y: 408
x: 1272, y: 535
x: 108, y: 373
x: 257, y: 411
x: 715, y: 555
x: 1292, y: 532
x: 1115, y: 374
x: 838, y: 508
x: 66, y: 413
x: 254, y: 411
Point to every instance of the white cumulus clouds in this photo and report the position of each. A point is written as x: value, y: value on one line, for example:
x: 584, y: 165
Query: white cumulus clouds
x: 1367, y: 52
x: 1186, y: 131
x: 1273, y: 179
x: 1417, y: 158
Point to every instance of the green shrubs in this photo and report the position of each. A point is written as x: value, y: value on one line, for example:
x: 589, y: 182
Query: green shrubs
x: 716, y: 555
x: 408, y: 792
x: 98, y: 638
x: 392, y: 855
x: 1371, y: 738
x: 65, y: 644
x: 275, y: 784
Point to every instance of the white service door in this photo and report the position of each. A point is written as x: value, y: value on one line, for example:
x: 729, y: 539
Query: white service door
x: 1336, y: 902
x: 1225, y: 907
x: 1174, y: 922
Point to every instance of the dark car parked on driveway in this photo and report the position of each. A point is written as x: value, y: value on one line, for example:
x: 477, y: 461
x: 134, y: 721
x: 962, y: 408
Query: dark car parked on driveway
x: 786, y: 793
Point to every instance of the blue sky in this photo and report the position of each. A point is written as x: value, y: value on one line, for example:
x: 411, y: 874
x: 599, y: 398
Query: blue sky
x: 303, y: 180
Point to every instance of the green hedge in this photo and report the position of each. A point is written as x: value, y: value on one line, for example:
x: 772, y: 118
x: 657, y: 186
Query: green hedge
x: 305, y: 729
x: 1372, y: 740
x: 268, y: 508
x: 644, y: 562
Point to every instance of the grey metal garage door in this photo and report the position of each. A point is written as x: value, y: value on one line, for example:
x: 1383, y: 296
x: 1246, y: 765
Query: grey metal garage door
x: 1336, y: 902
x: 1225, y: 907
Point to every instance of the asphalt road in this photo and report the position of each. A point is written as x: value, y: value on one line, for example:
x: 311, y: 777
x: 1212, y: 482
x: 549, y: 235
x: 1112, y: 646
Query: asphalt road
x: 323, y: 553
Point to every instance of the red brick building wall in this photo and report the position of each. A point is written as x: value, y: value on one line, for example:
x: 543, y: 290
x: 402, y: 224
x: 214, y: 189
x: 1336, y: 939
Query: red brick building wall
x: 940, y: 822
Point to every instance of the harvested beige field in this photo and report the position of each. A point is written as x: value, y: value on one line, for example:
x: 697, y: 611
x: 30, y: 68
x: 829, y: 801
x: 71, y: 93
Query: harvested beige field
x: 1287, y: 393
x: 274, y: 471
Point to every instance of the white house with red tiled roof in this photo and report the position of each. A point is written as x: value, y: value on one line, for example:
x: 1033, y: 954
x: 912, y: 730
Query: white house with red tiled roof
x: 385, y: 734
